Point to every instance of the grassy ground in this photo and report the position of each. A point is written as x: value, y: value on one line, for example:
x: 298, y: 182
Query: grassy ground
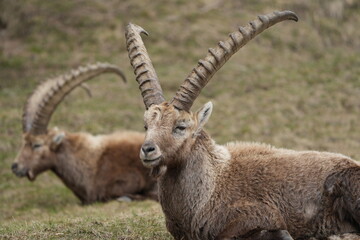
x: 295, y: 86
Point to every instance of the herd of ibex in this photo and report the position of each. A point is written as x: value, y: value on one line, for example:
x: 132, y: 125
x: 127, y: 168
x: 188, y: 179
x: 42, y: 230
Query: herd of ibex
x: 207, y: 191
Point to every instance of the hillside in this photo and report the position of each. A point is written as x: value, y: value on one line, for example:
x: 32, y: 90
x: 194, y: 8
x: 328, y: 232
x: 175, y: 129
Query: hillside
x: 295, y: 86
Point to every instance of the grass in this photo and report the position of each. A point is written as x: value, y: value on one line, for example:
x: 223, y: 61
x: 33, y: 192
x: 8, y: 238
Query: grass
x: 295, y: 86
x: 127, y: 221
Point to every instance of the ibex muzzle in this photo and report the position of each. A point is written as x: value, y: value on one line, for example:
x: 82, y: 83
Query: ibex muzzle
x: 18, y: 171
x: 150, y: 154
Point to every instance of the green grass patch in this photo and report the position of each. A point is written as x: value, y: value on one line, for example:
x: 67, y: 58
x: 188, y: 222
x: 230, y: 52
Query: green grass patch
x: 295, y: 86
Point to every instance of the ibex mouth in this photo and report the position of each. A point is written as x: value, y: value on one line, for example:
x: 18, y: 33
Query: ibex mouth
x: 151, y: 162
x: 18, y: 171
x: 24, y: 173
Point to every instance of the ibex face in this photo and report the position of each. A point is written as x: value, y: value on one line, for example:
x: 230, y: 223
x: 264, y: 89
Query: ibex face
x: 171, y: 132
x: 37, y: 154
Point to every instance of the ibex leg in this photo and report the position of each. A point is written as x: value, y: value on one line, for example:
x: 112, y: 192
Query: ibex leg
x: 255, y: 221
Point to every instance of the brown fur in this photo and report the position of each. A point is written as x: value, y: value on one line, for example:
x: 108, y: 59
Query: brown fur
x: 95, y: 168
x: 246, y: 190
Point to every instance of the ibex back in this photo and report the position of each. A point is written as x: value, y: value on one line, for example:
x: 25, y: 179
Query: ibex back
x: 239, y: 190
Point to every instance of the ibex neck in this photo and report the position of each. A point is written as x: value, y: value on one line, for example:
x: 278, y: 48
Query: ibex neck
x: 73, y: 166
x: 185, y: 190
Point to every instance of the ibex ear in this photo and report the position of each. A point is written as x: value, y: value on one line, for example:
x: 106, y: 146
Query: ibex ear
x: 203, y: 116
x: 57, y: 140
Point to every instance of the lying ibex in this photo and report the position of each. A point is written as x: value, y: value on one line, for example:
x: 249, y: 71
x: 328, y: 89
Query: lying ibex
x: 240, y: 190
x: 95, y: 168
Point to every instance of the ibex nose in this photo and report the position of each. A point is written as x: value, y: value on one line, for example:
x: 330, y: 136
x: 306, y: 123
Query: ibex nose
x: 148, y: 148
x: 150, y: 154
x: 14, y: 166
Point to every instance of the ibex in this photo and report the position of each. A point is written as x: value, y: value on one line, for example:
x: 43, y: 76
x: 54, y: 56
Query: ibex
x: 95, y: 168
x: 239, y: 190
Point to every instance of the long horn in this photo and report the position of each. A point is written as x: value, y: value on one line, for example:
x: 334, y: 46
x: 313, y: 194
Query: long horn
x: 144, y: 71
x: 218, y: 56
x: 43, y: 101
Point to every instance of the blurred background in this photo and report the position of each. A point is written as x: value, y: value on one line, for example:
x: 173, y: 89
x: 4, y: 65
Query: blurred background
x: 295, y: 86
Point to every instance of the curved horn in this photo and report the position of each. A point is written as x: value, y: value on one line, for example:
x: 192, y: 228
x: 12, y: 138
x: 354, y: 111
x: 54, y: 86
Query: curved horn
x: 217, y: 57
x: 144, y: 71
x: 43, y: 101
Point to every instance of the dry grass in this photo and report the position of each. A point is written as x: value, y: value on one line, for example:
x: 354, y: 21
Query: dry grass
x: 295, y: 86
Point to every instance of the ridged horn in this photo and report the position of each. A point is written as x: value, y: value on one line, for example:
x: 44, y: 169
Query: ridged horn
x: 144, y: 71
x: 43, y: 101
x: 217, y: 57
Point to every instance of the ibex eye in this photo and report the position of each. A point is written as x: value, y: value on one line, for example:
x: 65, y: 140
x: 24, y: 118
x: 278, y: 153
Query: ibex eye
x: 180, y: 128
x: 36, y: 145
x: 146, y: 128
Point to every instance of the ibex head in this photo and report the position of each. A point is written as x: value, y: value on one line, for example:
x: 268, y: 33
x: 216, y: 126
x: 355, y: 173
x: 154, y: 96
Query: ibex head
x: 40, y: 145
x: 171, y: 132
x: 171, y: 126
x: 36, y: 154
